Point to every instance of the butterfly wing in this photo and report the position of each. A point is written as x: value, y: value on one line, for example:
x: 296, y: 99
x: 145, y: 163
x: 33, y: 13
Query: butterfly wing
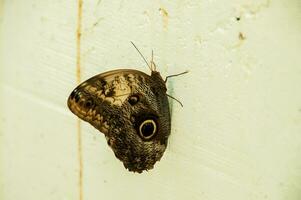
x: 90, y: 99
x: 131, y: 109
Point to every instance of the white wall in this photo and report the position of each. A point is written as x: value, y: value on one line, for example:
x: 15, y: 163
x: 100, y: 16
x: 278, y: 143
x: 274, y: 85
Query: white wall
x: 237, y: 137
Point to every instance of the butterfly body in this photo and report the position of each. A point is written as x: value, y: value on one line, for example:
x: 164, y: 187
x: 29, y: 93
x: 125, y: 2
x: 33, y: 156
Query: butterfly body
x: 131, y: 109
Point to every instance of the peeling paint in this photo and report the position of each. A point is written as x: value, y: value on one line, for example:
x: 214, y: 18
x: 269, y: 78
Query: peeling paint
x: 165, y: 17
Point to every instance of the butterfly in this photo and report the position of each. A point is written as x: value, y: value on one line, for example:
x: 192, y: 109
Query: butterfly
x: 131, y: 109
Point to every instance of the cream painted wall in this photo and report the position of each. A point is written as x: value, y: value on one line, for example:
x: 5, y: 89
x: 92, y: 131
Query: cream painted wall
x: 237, y: 137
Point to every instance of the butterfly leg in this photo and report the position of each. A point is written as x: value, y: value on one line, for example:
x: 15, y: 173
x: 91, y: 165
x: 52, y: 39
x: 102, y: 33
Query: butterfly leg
x: 173, y: 75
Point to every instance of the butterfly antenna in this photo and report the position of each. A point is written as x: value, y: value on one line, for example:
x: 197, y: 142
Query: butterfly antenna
x: 152, y: 62
x: 175, y: 99
x: 142, y: 56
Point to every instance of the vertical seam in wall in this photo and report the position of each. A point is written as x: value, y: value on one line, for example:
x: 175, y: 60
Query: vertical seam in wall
x: 78, y: 79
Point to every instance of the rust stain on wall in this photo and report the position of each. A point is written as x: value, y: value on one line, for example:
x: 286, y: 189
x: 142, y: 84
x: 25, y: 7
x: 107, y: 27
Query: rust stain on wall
x: 78, y: 40
x: 241, y: 36
x: 78, y: 79
x: 164, y: 14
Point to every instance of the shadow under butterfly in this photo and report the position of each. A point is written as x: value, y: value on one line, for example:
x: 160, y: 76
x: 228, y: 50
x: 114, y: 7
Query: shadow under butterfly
x: 131, y: 109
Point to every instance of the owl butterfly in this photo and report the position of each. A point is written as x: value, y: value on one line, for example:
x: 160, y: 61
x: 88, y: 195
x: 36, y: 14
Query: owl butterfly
x: 131, y: 109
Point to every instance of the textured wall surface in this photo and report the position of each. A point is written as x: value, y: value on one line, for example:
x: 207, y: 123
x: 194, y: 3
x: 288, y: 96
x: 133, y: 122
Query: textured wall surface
x: 237, y: 137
